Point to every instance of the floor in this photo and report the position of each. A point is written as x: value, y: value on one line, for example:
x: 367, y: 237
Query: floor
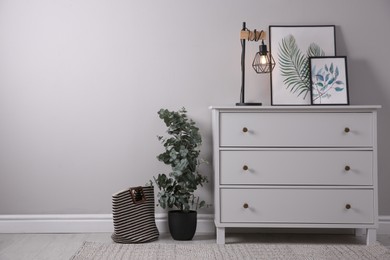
x: 63, y: 246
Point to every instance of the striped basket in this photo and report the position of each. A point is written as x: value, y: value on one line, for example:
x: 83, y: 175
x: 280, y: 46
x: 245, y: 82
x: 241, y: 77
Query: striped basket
x: 133, y: 215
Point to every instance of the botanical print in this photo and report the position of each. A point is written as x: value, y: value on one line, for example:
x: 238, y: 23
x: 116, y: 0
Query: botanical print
x: 328, y: 80
x: 292, y: 46
x: 294, y: 65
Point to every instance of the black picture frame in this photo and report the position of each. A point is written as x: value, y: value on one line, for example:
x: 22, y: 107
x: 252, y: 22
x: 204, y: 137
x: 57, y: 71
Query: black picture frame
x: 329, y: 80
x: 291, y: 45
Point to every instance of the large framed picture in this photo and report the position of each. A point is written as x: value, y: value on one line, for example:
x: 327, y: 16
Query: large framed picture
x: 329, y: 80
x: 291, y: 47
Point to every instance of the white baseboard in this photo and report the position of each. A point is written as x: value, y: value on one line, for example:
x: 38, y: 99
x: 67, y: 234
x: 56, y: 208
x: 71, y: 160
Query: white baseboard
x: 384, y: 225
x: 68, y: 223
x: 92, y: 223
x: 84, y: 223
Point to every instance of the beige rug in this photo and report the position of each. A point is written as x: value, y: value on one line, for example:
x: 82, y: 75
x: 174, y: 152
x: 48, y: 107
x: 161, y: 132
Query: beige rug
x: 96, y: 251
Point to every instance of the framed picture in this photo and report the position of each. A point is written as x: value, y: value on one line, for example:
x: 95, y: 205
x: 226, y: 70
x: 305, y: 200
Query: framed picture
x: 329, y: 80
x: 291, y: 47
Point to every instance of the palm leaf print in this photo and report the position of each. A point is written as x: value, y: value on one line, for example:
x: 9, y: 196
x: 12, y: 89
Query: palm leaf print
x: 314, y: 50
x: 294, y: 65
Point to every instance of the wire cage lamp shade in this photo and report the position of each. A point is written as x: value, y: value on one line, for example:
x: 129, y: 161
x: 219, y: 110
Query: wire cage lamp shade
x: 263, y: 61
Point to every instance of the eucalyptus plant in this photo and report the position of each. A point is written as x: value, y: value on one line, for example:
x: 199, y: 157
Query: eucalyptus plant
x: 294, y: 65
x: 176, y: 190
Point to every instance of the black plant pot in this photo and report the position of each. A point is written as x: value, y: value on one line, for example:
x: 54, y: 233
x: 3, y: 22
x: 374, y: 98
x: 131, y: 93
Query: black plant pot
x: 182, y: 225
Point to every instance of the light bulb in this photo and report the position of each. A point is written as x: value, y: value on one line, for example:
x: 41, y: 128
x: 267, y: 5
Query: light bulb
x: 263, y: 59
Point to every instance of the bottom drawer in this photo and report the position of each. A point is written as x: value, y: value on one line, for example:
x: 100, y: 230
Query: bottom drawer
x: 293, y: 205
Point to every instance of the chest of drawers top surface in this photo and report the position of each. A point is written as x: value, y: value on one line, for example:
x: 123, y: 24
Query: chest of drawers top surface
x: 352, y: 108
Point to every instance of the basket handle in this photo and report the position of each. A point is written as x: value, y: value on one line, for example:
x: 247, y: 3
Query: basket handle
x: 137, y: 195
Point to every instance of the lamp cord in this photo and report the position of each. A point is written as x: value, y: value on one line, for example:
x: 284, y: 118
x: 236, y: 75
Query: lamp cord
x: 256, y: 36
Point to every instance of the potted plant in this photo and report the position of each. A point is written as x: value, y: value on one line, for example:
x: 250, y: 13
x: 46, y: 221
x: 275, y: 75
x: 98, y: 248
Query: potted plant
x: 176, y: 189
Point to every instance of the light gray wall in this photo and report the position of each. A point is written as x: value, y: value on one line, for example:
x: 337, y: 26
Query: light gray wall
x: 81, y: 83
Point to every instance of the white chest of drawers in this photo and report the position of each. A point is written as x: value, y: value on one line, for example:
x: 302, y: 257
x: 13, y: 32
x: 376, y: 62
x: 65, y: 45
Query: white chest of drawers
x: 295, y: 167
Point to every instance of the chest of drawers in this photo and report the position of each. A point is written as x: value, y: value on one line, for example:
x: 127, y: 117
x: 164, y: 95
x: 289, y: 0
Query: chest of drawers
x: 295, y: 167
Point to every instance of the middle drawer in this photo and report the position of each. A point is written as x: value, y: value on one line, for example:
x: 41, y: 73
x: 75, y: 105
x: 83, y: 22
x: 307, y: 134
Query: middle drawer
x: 296, y: 167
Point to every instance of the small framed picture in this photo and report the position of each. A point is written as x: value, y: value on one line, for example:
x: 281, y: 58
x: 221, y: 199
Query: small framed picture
x: 329, y: 80
x: 291, y: 47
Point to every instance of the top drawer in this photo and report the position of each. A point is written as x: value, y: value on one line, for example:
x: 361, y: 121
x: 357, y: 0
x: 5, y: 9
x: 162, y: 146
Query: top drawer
x: 272, y: 129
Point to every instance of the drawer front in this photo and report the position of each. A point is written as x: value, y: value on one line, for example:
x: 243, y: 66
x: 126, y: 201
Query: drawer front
x: 296, y: 129
x: 296, y: 167
x: 287, y: 205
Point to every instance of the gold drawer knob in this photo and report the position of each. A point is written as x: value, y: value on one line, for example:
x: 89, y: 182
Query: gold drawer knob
x: 245, y: 129
x: 347, y: 168
x: 245, y: 168
x: 245, y: 205
x: 348, y: 206
x: 347, y: 130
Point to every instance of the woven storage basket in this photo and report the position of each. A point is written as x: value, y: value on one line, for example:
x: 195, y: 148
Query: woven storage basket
x: 133, y: 215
